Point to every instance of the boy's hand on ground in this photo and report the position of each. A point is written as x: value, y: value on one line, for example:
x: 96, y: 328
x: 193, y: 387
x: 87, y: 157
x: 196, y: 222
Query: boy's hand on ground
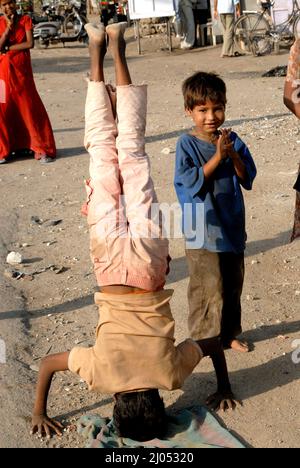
x: 42, y: 425
x: 223, y: 401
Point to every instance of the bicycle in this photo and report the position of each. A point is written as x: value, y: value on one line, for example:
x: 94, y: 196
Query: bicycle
x: 255, y: 32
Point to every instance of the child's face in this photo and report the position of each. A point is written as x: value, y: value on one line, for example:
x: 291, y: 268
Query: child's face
x: 208, y: 117
x: 8, y: 7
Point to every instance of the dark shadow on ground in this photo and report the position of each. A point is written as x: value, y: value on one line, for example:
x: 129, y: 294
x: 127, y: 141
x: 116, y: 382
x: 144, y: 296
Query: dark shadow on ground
x: 65, y: 307
x: 71, y: 152
x: 256, y: 247
x: 85, y: 409
x: 66, y: 65
x: 67, y: 130
x: 246, y: 383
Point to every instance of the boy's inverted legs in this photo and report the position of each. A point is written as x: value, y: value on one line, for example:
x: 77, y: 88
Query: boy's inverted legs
x: 126, y: 255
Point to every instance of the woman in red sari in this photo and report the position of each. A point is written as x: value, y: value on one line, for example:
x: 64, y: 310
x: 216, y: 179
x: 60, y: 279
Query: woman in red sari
x: 24, y: 123
x: 292, y: 101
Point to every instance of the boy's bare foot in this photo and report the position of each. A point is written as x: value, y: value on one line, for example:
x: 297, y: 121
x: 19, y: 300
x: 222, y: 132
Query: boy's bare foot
x: 96, y: 33
x: 115, y: 33
x: 240, y: 346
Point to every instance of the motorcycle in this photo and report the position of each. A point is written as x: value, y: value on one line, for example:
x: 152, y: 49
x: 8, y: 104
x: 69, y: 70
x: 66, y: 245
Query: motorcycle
x: 64, y: 23
x: 113, y: 11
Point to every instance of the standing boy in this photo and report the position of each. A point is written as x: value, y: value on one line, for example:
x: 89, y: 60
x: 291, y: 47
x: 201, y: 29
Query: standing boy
x: 211, y: 165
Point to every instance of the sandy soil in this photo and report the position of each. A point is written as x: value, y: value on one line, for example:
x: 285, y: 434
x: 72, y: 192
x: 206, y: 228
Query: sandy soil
x: 53, y: 312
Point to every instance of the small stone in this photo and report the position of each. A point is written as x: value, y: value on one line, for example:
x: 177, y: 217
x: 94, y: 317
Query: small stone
x: 14, y: 258
x: 34, y: 368
x: 166, y: 151
x: 255, y: 262
x: 36, y: 220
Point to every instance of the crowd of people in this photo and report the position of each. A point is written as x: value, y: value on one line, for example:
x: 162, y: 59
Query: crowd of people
x: 134, y: 355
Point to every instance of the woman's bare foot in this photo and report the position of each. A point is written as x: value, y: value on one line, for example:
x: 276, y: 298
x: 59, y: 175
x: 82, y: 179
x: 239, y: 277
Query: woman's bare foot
x: 240, y: 346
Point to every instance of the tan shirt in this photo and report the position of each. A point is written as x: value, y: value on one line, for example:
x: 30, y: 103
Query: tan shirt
x: 134, y: 346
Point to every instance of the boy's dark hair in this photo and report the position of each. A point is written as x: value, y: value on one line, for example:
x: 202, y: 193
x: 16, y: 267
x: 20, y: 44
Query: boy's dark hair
x: 201, y: 87
x: 140, y: 416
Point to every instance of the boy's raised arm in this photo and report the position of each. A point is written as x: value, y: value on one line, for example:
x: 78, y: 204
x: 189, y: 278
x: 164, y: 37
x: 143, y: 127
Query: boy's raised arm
x: 40, y: 421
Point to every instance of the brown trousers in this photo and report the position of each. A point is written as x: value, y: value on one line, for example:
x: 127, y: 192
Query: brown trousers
x: 214, y: 294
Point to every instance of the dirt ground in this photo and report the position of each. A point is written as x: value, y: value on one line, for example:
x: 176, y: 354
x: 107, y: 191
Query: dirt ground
x: 52, y: 311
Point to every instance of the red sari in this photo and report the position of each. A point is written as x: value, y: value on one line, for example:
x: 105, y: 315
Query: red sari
x: 24, y: 123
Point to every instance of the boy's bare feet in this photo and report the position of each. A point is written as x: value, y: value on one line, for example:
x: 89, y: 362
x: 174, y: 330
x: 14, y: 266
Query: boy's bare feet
x: 240, y: 346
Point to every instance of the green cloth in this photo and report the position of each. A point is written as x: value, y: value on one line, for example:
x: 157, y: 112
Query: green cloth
x: 193, y: 427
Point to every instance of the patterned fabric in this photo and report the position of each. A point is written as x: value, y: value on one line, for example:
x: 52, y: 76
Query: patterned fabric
x: 189, y: 428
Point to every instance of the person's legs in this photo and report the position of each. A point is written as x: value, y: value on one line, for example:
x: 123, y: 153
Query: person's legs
x: 189, y: 24
x: 204, y: 294
x: 145, y: 251
x: 227, y: 21
x: 105, y: 212
x: 232, y: 269
x: 115, y: 33
x: 138, y: 189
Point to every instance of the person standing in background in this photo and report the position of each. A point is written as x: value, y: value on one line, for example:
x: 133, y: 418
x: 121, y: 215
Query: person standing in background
x: 186, y: 7
x: 227, y: 9
x: 201, y: 15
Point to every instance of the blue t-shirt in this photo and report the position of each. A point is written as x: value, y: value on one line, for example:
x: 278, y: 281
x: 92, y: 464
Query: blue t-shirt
x: 213, y: 209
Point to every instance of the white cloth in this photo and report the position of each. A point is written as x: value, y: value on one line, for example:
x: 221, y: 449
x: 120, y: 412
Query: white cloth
x: 227, y: 6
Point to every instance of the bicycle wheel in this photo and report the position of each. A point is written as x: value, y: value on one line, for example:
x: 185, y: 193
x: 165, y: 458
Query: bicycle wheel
x: 251, y: 35
x: 296, y: 29
x: 72, y: 26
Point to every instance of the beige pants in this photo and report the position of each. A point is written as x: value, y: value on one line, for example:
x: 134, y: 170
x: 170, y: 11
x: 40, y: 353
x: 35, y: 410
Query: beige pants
x: 227, y: 21
x: 214, y: 294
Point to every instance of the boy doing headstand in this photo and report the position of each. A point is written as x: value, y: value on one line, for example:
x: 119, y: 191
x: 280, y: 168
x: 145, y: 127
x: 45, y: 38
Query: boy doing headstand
x: 134, y: 353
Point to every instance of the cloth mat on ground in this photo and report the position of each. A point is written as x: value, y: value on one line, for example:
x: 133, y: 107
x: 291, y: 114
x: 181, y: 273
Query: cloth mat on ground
x: 193, y: 427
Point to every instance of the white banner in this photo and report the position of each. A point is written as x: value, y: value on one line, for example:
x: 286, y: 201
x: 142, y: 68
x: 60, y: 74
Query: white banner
x: 150, y: 8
